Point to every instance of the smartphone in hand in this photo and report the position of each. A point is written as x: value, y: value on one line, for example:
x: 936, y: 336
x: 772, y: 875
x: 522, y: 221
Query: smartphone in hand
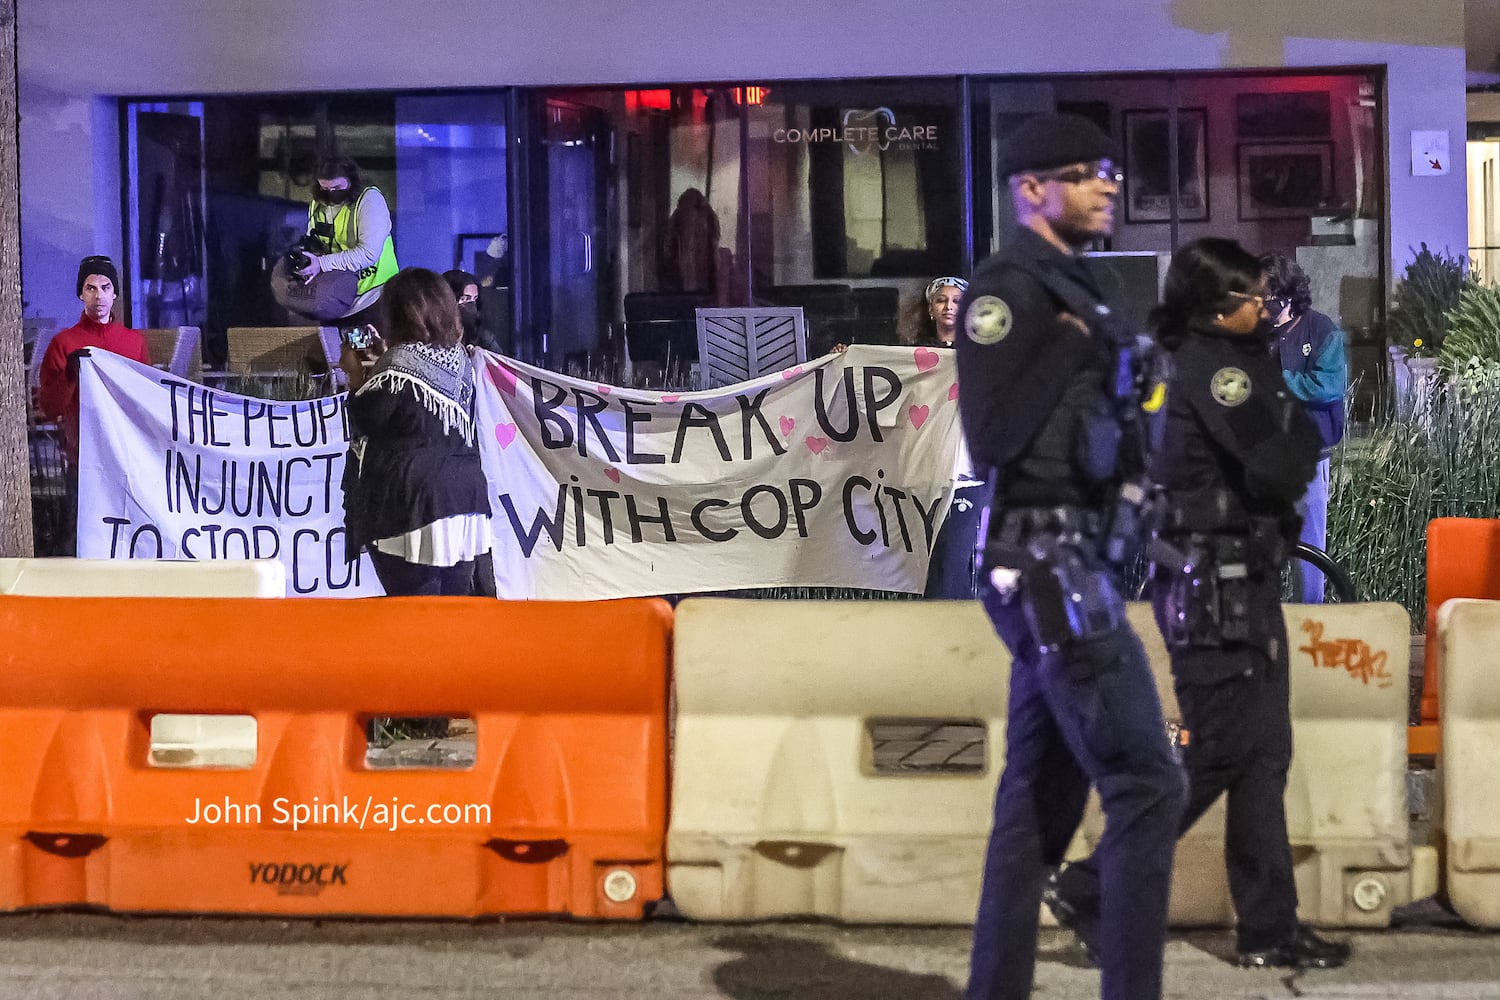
x: 359, y: 337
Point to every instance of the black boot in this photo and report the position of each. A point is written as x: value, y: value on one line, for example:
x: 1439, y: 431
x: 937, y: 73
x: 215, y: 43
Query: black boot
x: 1306, y: 950
x: 1082, y: 922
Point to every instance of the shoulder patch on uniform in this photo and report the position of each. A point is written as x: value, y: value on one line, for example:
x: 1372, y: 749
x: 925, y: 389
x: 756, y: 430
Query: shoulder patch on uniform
x: 1306, y: 349
x: 1230, y: 386
x: 988, y: 320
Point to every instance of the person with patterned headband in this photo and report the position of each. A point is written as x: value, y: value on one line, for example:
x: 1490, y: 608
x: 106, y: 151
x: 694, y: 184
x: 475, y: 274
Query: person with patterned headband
x: 950, y: 573
x: 940, y: 318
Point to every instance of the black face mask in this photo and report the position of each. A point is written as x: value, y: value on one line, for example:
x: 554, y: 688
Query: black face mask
x: 468, y: 313
x: 326, y: 197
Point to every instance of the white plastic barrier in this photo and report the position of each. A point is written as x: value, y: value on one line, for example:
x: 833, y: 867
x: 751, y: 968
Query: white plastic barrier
x: 779, y: 807
x: 221, y: 740
x: 1346, y: 792
x: 1470, y: 634
x: 142, y: 578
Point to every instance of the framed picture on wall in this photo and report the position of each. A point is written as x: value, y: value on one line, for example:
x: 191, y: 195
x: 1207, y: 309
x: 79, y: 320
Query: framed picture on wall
x: 1284, y: 180
x: 1148, y: 172
x: 482, y: 255
x: 1297, y: 114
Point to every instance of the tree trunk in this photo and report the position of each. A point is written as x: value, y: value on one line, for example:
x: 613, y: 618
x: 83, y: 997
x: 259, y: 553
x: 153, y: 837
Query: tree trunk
x: 15, y: 469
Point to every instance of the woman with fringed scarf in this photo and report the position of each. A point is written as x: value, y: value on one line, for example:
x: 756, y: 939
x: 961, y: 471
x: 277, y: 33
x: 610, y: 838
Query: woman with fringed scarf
x: 415, y: 496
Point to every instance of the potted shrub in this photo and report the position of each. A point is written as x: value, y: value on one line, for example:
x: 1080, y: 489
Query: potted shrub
x: 1430, y: 289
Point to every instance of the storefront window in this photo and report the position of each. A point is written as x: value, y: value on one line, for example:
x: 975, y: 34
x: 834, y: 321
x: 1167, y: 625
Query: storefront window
x: 841, y: 199
x: 219, y: 190
x: 635, y: 222
x: 629, y: 210
x: 1281, y: 161
x: 855, y: 187
x: 165, y: 234
x: 859, y: 180
x: 1484, y: 198
x: 451, y: 209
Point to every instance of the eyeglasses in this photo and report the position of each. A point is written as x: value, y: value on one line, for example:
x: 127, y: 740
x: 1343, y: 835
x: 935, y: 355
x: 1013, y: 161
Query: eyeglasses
x: 1261, y: 301
x: 464, y: 299
x: 1100, y: 170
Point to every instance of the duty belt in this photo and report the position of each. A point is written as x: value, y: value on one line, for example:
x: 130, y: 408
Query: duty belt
x: 1018, y: 524
x: 1260, y: 550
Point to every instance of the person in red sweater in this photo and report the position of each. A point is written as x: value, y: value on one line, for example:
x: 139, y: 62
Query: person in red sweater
x: 57, y: 380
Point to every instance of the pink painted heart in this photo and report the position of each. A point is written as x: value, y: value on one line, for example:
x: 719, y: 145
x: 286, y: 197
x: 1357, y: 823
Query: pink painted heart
x: 604, y: 390
x: 918, y: 415
x: 503, y: 377
x: 792, y: 373
x: 505, y: 434
x: 953, y: 391
x: 925, y: 359
x: 670, y: 398
x: 787, y: 423
x: 816, y: 444
x: 613, y: 474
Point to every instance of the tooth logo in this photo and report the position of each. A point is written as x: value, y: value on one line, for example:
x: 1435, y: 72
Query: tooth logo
x: 864, y: 129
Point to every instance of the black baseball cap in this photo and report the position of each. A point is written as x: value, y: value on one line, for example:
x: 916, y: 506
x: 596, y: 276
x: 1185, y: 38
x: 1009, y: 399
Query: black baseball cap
x: 1049, y: 141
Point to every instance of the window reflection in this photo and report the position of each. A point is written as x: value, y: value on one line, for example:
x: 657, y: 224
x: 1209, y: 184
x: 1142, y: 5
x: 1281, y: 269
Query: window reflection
x: 219, y: 189
x: 637, y: 207
x: 837, y: 198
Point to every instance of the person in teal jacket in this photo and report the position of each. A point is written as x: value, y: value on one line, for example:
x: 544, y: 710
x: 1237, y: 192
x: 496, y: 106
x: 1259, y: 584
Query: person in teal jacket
x: 1316, y: 369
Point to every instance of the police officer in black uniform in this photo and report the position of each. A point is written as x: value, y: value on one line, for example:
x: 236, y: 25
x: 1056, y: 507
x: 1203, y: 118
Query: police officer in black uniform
x: 1051, y: 414
x: 1237, y: 455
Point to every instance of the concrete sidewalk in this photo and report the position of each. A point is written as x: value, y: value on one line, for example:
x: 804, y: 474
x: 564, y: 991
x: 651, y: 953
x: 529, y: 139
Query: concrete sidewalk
x: 94, y: 957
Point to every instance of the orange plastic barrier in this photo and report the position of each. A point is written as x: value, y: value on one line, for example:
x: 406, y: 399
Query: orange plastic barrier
x: 1463, y: 560
x: 563, y: 812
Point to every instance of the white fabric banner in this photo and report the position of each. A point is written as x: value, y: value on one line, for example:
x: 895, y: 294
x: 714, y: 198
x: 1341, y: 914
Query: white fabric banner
x: 169, y: 469
x: 835, y: 473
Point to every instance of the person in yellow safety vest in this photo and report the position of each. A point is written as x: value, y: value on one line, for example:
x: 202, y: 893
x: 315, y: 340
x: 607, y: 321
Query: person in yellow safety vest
x: 353, y: 221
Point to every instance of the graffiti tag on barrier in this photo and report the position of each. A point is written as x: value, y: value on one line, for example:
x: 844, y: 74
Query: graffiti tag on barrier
x: 1352, y: 655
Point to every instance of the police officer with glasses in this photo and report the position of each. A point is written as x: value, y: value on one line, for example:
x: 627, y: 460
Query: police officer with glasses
x: 1057, y: 402
x: 1236, y: 458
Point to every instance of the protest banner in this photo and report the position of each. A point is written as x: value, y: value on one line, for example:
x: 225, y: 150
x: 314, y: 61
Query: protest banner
x: 835, y: 473
x: 170, y: 469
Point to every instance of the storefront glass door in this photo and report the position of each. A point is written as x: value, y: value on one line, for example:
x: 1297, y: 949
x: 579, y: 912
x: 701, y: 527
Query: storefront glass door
x: 570, y: 226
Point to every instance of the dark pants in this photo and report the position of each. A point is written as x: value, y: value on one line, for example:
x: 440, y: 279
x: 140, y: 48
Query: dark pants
x: 67, y: 533
x: 1240, y: 745
x: 1086, y: 715
x: 472, y: 578
x: 950, y: 573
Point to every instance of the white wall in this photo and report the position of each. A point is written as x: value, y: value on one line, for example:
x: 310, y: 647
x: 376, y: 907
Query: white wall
x: 70, y: 194
x: 72, y: 51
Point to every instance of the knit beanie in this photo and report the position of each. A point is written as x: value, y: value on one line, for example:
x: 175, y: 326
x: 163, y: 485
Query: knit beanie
x: 97, y: 265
